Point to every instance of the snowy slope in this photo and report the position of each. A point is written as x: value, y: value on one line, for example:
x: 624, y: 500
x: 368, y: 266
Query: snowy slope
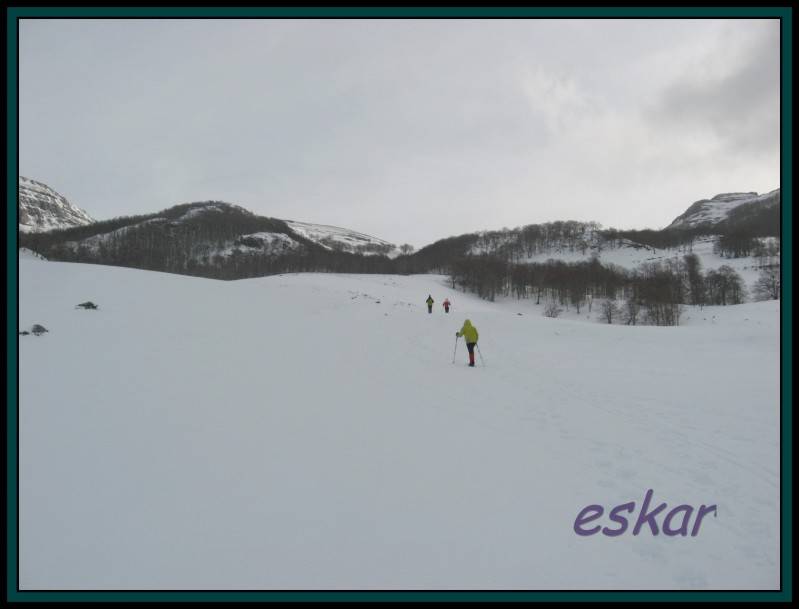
x: 311, y: 432
x: 343, y: 239
x: 41, y: 208
x: 181, y: 218
x: 205, y: 235
x: 715, y: 210
x: 630, y: 257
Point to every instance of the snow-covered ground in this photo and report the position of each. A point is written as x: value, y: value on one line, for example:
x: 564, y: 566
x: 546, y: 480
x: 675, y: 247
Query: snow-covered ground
x: 311, y: 432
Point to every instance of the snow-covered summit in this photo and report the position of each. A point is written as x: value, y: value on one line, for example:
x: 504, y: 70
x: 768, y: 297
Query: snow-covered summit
x: 343, y: 239
x: 204, y: 207
x: 42, y: 209
x: 715, y: 210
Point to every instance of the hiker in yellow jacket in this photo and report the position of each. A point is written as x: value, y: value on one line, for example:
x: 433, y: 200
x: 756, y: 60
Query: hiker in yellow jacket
x: 469, y: 333
x: 429, y: 302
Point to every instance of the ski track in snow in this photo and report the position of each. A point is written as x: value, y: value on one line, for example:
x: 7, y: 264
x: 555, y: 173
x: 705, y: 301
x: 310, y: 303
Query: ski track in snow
x: 311, y: 432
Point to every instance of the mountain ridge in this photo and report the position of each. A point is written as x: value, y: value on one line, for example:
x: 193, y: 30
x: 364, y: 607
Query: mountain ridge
x: 41, y: 208
x: 709, y: 212
x: 227, y: 241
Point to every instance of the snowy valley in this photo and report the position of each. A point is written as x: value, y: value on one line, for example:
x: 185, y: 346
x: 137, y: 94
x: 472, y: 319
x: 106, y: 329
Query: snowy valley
x: 311, y: 431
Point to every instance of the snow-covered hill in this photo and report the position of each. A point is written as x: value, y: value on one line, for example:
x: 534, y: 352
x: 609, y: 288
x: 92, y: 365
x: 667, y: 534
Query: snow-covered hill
x: 709, y: 212
x: 41, y: 208
x: 343, y: 239
x: 188, y: 216
x: 213, y: 239
x: 311, y: 432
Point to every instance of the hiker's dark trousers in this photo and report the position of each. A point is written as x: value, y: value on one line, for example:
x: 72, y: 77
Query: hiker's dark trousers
x: 470, y: 347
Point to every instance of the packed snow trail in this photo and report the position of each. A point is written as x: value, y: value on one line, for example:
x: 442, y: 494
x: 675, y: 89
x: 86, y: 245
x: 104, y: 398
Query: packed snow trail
x: 311, y: 432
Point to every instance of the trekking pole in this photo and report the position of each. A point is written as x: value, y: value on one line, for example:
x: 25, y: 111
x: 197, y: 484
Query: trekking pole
x: 456, y: 349
x: 480, y: 353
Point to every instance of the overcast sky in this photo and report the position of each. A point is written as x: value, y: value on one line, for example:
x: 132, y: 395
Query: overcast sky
x: 407, y: 130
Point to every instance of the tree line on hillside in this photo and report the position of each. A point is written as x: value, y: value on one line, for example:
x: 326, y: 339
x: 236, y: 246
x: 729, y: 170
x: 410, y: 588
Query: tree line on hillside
x: 753, y: 219
x: 653, y: 293
x: 214, y: 243
x: 208, y: 244
x: 584, y: 238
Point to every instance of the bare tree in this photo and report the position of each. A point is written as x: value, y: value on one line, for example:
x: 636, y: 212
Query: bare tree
x: 576, y: 298
x: 694, y: 279
x: 767, y: 286
x: 725, y: 286
x: 552, y: 310
x: 609, y: 311
x: 632, y: 310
